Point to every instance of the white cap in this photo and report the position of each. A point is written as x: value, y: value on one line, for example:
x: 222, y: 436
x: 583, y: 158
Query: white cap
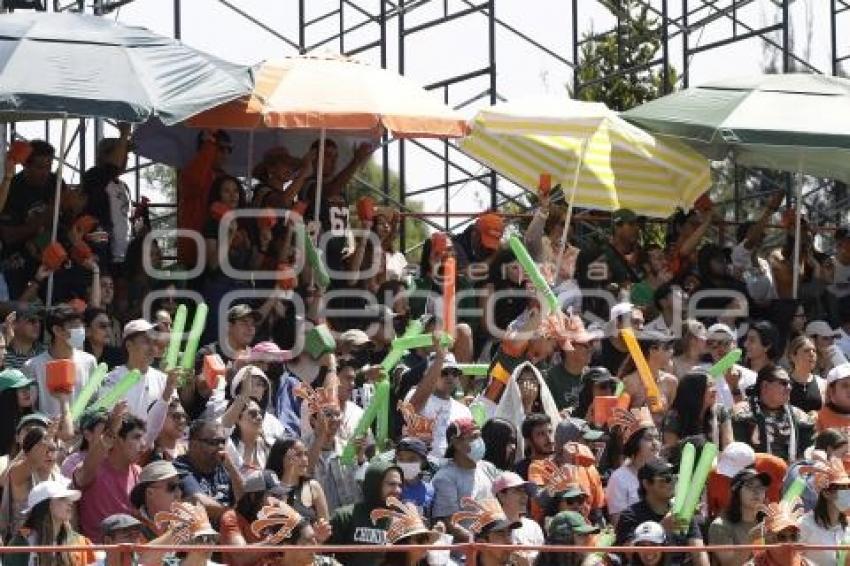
x: 449, y: 362
x: 620, y: 309
x: 649, y: 531
x: 837, y: 373
x: 820, y: 328
x: 719, y: 328
x: 137, y: 326
x: 50, y: 489
x: 734, y: 458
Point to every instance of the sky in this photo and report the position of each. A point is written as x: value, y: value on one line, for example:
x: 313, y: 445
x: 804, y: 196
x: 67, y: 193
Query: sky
x: 462, y: 46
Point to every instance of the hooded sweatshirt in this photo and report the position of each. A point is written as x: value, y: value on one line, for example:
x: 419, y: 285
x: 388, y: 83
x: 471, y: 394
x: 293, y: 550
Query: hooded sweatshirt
x: 353, y: 525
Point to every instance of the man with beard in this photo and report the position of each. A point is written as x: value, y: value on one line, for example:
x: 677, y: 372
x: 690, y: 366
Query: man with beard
x: 539, y: 441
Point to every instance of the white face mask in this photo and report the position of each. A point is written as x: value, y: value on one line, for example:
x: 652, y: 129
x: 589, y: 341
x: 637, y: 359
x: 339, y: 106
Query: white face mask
x: 77, y: 338
x: 410, y: 470
x: 842, y: 500
x: 477, y: 450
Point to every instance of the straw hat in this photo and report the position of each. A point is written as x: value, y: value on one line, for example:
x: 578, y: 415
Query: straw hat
x: 405, y: 521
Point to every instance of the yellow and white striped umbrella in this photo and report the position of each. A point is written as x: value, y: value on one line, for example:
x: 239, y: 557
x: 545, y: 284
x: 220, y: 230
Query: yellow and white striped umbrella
x: 622, y: 166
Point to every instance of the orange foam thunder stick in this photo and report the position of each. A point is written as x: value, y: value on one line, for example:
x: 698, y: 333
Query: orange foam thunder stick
x: 449, y: 279
x: 545, y: 184
x: 653, y: 395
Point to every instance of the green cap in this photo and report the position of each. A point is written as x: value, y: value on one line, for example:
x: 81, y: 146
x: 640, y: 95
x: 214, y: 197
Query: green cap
x: 13, y: 379
x: 567, y: 523
x: 624, y: 216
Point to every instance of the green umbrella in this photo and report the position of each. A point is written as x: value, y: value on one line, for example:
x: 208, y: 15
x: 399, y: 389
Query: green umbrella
x: 790, y: 122
x: 55, y: 65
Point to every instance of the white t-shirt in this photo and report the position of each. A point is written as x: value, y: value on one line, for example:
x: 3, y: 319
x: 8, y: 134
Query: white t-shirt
x: 814, y: 534
x: 622, y: 490
x: 84, y: 365
x: 756, y: 274
x: 443, y: 411
x: 396, y: 264
x: 529, y: 534
x: 143, y: 394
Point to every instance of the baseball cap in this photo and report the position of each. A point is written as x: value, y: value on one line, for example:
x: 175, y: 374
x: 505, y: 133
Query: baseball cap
x: 734, y: 458
x: 491, y: 226
x: 450, y: 362
x: 655, y: 336
x: 118, y: 522
x: 649, y: 531
x: 155, y: 471
x: 138, y: 326
x: 39, y: 419
x: 573, y: 429
x: 598, y: 374
x: 838, y: 373
x: 241, y: 310
x: 749, y: 473
x: 820, y: 328
x: 13, y: 379
x: 573, y: 490
x: 414, y: 445
x: 459, y: 427
x: 567, y: 523
x: 624, y: 216
x: 653, y: 469
x: 50, y: 489
x: 353, y: 338
x: 720, y: 328
x: 507, y: 480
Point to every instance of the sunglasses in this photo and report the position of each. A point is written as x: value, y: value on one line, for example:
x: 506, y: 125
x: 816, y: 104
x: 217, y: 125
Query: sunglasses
x: 213, y: 441
x: 171, y: 487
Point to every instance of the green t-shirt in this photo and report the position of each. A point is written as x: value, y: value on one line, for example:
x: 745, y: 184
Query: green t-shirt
x: 564, y: 386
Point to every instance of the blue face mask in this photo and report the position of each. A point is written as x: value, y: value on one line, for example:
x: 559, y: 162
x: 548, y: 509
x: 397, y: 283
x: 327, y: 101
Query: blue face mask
x: 477, y: 449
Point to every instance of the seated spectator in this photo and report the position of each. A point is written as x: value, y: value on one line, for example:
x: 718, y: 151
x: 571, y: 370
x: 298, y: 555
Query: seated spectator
x: 569, y: 528
x: 34, y: 465
x: 526, y: 394
x: 500, y: 438
x: 170, y: 443
x: 691, y: 347
x: 464, y: 475
x: 98, y: 324
x: 669, y: 302
x: 66, y: 333
x: 211, y: 477
x: 647, y: 535
x: 641, y: 445
x: 109, y: 470
x: 288, y: 461
x: 283, y: 525
x: 411, y: 455
x: 120, y: 529
x: 565, y: 379
x: 657, y: 348
x: 480, y: 241
x: 157, y: 490
x: 353, y: 524
x: 807, y: 389
x: 767, y: 422
x: 513, y: 494
x: 596, y: 381
x: 657, y: 483
x: 407, y: 528
x: 780, y: 526
x: 824, y: 336
x: 735, y: 525
x: 47, y: 522
x: 18, y: 397
x: 761, y: 345
x: 826, y: 524
x: 696, y: 411
x: 26, y: 342
x: 836, y: 410
x: 537, y: 442
x: 613, y: 352
x: 485, y: 520
x: 721, y: 341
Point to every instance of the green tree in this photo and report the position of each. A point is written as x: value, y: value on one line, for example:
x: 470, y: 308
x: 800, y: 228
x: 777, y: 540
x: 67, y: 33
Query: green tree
x: 628, y: 49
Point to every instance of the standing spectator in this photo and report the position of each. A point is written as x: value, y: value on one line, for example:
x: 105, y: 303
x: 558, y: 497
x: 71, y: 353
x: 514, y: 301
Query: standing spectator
x: 67, y: 336
x: 721, y: 341
x: 807, y: 389
x: 657, y: 483
x: 25, y: 343
x: 696, y: 411
x: 48, y: 517
x: 614, y: 352
x: 110, y: 470
x: 98, y: 326
x: 657, y: 348
x: 211, y: 478
x: 827, y: 524
x: 480, y: 241
x: 735, y: 525
x: 353, y: 524
x: 138, y: 342
x: 669, y: 301
x: 279, y: 172
x: 565, y: 379
x: 464, y: 475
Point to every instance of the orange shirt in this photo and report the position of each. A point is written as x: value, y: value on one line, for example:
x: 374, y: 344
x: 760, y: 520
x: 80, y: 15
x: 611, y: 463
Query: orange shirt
x: 193, y: 192
x: 827, y: 418
x: 587, y: 477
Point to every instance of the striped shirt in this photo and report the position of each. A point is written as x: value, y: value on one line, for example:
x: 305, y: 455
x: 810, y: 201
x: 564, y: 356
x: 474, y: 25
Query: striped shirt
x: 16, y: 360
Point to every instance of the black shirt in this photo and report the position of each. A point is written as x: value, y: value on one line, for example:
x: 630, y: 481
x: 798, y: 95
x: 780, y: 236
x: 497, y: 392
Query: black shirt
x: 610, y: 357
x: 807, y: 396
x: 641, y: 512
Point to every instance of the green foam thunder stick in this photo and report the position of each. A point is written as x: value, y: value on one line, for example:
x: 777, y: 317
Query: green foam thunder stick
x: 533, y: 273
x: 395, y: 355
x: 365, y: 422
x: 419, y: 341
x: 120, y: 390
x: 382, y: 390
x: 698, y: 479
x: 479, y: 413
x: 173, y: 351
x: 316, y: 263
x: 795, y: 490
x: 92, y: 385
x: 686, y: 470
x: 198, y: 322
x: 474, y: 369
x: 718, y: 372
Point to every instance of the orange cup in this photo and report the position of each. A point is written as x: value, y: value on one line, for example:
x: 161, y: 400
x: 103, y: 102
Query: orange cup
x: 61, y: 376
x: 54, y: 256
x: 603, y: 406
x: 213, y: 369
x: 19, y: 152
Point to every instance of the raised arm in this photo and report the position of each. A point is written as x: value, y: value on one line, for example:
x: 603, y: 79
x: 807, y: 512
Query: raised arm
x: 429, y: 380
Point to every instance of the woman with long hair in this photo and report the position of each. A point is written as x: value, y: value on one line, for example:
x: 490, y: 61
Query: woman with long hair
x: 762, y: 345
x: 733, y: 527
x: 171, y: 441
x: 696, y: 411
x: 641, y: 444
x: 499, y: 436
x: 247, y: 445
x: 18, y: 397
x: 251, y: 387
x: 807, y: 389
x: 47, y: 522
x: 827, y: 524
x: 657, y: 349
x: 288, y: 460
x: 690, y: 348
x: 98, y: 325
